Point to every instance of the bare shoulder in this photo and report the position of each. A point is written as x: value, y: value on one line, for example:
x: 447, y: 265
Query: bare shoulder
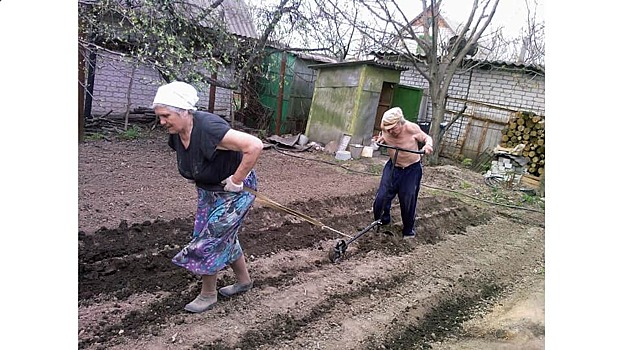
x: 413, y: 127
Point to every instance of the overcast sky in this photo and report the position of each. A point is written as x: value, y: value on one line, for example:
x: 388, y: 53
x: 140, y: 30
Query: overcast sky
x: 510, y: 14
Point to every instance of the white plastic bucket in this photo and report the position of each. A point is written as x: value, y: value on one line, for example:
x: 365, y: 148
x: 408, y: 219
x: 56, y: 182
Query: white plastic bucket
x: 356, y: 150
x: 343, y: 155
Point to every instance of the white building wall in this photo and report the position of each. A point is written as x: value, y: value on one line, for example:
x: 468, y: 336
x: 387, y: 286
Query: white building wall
x: 507, y: 89
x: 511, y: 89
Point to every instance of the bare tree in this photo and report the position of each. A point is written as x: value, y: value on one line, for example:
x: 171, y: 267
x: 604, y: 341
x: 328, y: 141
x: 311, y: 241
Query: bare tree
x: 353, y: 28
x: 314, y: 26
x: 176, y: 37
x: 532, y: 43
x: 391, y: 31
x: 331, y: 29
x: 528, y: 48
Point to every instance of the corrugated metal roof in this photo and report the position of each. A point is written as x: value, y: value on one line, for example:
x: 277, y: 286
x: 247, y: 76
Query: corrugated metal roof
x: 314, y: 57
x: 494, y: 63
x: 356, y: 63
x: 234, y: 13
x: 301, y: 54
x: 239, y: 19
x: 507, y: 64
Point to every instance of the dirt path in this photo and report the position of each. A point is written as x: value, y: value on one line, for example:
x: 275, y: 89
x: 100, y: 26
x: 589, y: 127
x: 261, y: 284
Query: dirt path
x: 474, y: 279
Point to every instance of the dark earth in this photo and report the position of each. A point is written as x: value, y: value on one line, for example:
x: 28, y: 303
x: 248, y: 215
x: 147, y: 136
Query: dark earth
x: 473, y: 278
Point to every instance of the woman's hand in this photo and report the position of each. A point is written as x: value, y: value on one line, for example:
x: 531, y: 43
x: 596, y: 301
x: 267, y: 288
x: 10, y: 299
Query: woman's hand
x: 231, y: 186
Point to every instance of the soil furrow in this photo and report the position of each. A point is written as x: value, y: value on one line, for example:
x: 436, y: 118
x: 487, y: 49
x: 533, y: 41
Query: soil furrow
x: 397, y: 279
x: 385, y: 293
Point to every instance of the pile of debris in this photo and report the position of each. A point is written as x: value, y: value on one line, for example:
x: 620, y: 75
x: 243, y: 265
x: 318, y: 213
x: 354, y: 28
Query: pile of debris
x: 116, y: 123
x: 511, y: 169
x: 296, y: 143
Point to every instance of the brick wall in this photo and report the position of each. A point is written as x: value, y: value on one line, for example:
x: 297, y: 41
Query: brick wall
x: 514, y: 90
x: 505, y: 89
x: 112, y: 79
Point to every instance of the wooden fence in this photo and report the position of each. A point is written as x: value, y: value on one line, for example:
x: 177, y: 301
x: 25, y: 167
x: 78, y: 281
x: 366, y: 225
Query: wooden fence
x: 478, y: 131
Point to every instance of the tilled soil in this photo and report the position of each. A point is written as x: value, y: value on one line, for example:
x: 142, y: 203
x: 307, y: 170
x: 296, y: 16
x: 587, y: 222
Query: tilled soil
x: 470, y: 257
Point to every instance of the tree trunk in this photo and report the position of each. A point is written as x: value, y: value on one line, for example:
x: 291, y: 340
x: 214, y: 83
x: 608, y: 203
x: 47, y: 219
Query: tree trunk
x: 438, y: 113
x: 81, y: 75
x: 129, y: 95
x: 436, y: 132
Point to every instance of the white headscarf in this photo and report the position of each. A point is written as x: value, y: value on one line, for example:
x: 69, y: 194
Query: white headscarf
x: 177, y: 94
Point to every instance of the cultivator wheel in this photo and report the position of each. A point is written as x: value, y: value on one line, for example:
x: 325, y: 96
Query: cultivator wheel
x: 338, y: 253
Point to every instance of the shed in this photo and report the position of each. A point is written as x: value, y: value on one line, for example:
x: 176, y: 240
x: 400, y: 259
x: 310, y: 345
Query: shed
x: 286, y: 89
x: 350, y: 98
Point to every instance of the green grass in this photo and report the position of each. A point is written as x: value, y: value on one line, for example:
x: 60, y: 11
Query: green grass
x: 529, y: 199
x: 532, y: 200
x: 131, y: 134
x: 376, y: 169
x: 94, y: 137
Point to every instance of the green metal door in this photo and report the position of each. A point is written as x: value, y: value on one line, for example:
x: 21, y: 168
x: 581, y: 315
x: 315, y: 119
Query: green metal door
x: 408, y: 98
x: 270, y: 88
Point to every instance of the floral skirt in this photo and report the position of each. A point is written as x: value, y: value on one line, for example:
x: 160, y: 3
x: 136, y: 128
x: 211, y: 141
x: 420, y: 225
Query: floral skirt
x: 219, y: 216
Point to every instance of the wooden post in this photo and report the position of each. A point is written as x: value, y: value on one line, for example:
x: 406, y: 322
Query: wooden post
x: 129, y: 96
x: 279, y: 99
x: 212, y: 94
x: 81, y: 74
x: 482, y: 137
x: 466, y: 135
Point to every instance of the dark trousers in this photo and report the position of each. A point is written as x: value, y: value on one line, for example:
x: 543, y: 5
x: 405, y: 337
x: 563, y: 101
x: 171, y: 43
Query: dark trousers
x: 405, y: 183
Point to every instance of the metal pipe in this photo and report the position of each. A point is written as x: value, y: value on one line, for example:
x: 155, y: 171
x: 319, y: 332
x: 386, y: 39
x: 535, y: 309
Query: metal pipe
x: 401, y: 149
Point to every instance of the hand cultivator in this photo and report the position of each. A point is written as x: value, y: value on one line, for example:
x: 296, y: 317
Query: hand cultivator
x: 338, y: 253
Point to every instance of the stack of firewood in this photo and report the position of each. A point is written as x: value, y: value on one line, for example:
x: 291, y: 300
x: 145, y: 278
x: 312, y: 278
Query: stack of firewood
x: 526, y: 128
x: 116, y: 123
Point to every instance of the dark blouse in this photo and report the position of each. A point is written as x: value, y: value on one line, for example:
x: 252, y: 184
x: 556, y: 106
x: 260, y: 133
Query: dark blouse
x: 202, y: 162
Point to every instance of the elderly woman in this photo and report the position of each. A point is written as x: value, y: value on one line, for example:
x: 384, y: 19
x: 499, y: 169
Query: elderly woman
x: 220, y: 161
